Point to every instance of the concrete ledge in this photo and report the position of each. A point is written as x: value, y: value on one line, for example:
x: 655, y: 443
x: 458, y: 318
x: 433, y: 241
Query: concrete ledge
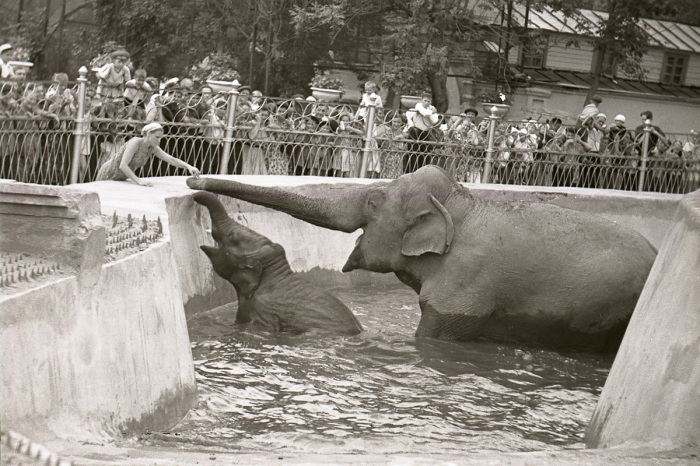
x: 53, y: 222
x: 653, y: 391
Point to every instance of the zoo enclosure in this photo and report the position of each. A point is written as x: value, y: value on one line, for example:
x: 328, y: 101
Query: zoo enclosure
x: 213, y: 131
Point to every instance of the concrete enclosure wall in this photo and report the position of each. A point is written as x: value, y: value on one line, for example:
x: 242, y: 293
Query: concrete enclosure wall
x: 112, y: 353
x: 94, y: 353
x: 653, y: 391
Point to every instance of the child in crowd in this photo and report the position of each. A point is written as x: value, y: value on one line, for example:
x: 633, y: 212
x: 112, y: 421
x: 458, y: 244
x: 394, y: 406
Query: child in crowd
x: 136, y: 91
x: 370, y: 96
x: 345, y: 161
x: 113, y: 76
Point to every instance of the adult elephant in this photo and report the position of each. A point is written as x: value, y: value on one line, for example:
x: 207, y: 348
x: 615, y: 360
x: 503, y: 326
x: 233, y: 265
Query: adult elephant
x: 525, y: 272
x: 270, y: 295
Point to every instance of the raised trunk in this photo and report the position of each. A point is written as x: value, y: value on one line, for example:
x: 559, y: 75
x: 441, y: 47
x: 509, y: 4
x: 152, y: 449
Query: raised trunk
x: 328, y: 207
x: 220, y: 219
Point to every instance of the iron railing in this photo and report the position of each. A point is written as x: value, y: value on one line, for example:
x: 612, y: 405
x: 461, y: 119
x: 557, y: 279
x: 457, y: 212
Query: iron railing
x: 221, y: 133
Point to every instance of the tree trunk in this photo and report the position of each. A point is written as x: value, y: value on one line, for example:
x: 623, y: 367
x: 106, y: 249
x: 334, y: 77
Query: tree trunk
x: 438, y: 84
x: 597, y: 69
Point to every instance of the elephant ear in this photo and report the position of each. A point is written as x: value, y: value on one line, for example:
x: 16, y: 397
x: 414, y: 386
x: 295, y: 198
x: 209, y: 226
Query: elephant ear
x: 247, y: 278
x: 430, y: 227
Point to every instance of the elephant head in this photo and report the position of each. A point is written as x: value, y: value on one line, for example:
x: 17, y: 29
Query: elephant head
x: 401, y: 219
x: 241, y: 254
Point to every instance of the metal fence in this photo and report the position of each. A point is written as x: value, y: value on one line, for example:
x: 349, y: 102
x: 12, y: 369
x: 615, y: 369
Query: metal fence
x: 228, y: 133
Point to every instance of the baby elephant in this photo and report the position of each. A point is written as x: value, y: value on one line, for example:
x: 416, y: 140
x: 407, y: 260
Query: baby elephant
x: 270, y: 295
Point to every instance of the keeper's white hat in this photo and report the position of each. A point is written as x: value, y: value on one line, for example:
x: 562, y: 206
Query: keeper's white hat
x: 149, y: 128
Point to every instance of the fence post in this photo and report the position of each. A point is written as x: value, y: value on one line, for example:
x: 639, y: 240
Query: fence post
x: 228, y: 133
x: 645, y: 155
x: 493, y: 116
x: 80, y: 126
x: 367, y: 138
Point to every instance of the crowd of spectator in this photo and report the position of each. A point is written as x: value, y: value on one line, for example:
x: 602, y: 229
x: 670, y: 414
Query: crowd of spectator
x: 305, y: 136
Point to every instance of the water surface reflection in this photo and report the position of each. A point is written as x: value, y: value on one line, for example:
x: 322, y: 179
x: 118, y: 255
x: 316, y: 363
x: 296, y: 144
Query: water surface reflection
x: 383, y: 391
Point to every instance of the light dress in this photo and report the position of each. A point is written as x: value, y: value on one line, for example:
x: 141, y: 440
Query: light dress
x: 110, y: 169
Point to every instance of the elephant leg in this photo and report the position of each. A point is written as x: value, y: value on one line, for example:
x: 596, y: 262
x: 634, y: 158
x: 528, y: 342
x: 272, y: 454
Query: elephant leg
x: 461, y: 326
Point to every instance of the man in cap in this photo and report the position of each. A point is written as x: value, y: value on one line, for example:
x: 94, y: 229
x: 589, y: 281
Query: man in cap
x: 617, y: 132
x: 463, y: 127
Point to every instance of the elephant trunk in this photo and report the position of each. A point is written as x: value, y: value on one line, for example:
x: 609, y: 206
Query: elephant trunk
x: 333, y: 208
x: 219, y: 217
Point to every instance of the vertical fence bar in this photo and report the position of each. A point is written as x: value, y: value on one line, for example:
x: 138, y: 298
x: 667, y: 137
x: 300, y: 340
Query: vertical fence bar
x: 489, y: 149
x: 367, y: 139
x: 80, y: 126
x: 228, y: 133
x: 645, y: 155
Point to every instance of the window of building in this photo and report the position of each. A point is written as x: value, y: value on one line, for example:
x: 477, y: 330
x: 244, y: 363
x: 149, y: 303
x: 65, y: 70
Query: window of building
x: 675, y: 66
x: 533, y: 52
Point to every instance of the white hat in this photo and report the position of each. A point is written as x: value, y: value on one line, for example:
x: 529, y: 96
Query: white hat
x: 20, y: 64
x: 4, y: 47
x: 621, y: 118
x: 602, y: 115
x: 311, y: 98
x: 149, y: 128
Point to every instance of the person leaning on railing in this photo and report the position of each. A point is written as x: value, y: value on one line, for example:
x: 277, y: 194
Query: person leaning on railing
x: 134, y: 155
x: 691, y: 155
x: 113, y: 76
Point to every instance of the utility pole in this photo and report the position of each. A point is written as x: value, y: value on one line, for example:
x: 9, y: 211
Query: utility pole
x: 253, y: 41
x: 19, y: 11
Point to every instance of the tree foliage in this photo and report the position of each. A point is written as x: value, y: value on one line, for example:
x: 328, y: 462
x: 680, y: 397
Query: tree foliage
x: 170, y: 37
x: 25, y: 34
x: 418, y: 36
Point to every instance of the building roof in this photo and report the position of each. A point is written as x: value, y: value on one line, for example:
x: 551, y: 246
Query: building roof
x: 583, y: 81
x: 667, y: 34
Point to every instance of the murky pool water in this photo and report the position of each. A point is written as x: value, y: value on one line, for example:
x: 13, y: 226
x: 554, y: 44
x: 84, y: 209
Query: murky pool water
x: 382, y: 391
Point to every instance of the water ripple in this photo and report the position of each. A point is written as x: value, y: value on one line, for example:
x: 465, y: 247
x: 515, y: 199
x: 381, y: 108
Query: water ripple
x: 383, y: 391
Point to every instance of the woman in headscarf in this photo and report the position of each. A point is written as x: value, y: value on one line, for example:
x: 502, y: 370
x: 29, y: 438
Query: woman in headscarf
x: 134, y: 155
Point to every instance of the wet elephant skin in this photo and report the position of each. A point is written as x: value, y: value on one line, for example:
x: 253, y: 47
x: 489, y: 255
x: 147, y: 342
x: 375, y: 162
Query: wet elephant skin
x: 525, y: 272
x: 270, y: 295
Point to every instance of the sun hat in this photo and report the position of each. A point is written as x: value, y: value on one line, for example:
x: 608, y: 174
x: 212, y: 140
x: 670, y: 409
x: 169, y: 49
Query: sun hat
x: 120, y: 53
x: 472, y: 110
x: 149, y: 128
x: 20, y: 64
